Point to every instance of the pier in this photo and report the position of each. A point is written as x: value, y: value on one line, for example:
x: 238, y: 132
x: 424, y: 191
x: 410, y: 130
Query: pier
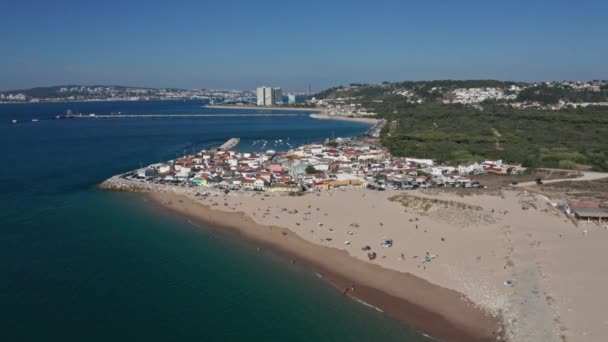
x: 126, y: 116
x: 230, y: 144
x: 374, y: 131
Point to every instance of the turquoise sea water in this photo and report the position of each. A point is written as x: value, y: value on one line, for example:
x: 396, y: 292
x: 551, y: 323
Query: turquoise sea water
x: 78, y: 264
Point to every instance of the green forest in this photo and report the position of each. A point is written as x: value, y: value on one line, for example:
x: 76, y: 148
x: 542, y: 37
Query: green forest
x: 551, y: 95
x: 572, y: 138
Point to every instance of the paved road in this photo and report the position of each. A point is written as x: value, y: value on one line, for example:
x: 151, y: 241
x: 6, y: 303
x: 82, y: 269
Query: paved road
x: 586, y: 176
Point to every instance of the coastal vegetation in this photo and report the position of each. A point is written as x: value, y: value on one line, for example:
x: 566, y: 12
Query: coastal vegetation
x: 458, y: 213
x: 310, y: 169
x: 568, y: 138
x: 424, y: 204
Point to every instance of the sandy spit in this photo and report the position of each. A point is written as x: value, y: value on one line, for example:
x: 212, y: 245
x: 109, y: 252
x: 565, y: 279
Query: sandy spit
x: 318, y: 113
x: 324, y: 116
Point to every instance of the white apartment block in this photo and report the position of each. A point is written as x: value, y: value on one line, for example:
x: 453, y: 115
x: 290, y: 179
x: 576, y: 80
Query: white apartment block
x: 268, y: 96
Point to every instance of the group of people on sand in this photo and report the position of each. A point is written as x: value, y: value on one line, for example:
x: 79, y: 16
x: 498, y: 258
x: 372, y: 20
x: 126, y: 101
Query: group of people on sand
x: 370, y: 255
x: 351, y: 289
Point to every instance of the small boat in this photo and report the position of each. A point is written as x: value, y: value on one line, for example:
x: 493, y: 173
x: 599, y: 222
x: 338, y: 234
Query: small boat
x: 14, y: 121
x: 34, y: 120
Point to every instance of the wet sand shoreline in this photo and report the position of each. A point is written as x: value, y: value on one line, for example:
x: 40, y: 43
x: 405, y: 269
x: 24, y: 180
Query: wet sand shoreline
x: 431, y: 309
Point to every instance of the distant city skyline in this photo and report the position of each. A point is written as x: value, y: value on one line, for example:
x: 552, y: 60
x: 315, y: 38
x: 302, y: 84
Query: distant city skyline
x: 192, y: 45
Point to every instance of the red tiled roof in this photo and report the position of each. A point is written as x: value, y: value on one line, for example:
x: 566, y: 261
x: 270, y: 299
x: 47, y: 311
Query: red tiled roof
x: 583, y: 204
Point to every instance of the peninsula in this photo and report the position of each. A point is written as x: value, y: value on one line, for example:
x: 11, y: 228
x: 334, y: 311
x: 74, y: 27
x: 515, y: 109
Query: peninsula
x: 480, y: 251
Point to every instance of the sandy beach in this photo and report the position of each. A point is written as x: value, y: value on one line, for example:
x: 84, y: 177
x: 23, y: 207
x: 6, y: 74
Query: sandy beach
x: 435, y: 310
x: 460, y: 267
x: 325, y: 116
x: 318, y: 113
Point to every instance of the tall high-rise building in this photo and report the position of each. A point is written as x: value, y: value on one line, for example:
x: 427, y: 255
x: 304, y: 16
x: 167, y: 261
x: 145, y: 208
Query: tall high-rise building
x: 268, y: 96
x: 261, y: 95
x: 278, y: 96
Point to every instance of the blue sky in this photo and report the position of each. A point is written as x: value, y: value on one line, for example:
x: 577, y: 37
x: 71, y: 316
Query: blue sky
x: 241, y: 44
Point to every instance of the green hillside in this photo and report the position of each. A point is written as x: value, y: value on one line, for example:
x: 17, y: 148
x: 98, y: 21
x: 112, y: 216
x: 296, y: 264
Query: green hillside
x: 566, y: 138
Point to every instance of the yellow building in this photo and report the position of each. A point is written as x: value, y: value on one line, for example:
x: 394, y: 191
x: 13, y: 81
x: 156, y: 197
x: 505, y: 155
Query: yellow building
x: 200, y: 181
x: 346, y: 182
x: 280, y: 187
x: 321, y: 186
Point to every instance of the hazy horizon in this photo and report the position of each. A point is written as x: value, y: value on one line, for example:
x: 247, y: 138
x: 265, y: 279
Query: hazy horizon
x: 242, y: 45
x: 313, y: 89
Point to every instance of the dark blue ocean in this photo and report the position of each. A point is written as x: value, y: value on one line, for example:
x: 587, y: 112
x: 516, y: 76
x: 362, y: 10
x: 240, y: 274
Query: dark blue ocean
x: 79, y: 264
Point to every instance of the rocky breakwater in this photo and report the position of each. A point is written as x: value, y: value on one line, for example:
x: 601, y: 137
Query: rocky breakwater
x: 121, y: 184
x: 117, y: 183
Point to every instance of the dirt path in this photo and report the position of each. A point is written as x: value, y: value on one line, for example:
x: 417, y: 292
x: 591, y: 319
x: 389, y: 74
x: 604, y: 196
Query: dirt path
x: 497, y: 135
